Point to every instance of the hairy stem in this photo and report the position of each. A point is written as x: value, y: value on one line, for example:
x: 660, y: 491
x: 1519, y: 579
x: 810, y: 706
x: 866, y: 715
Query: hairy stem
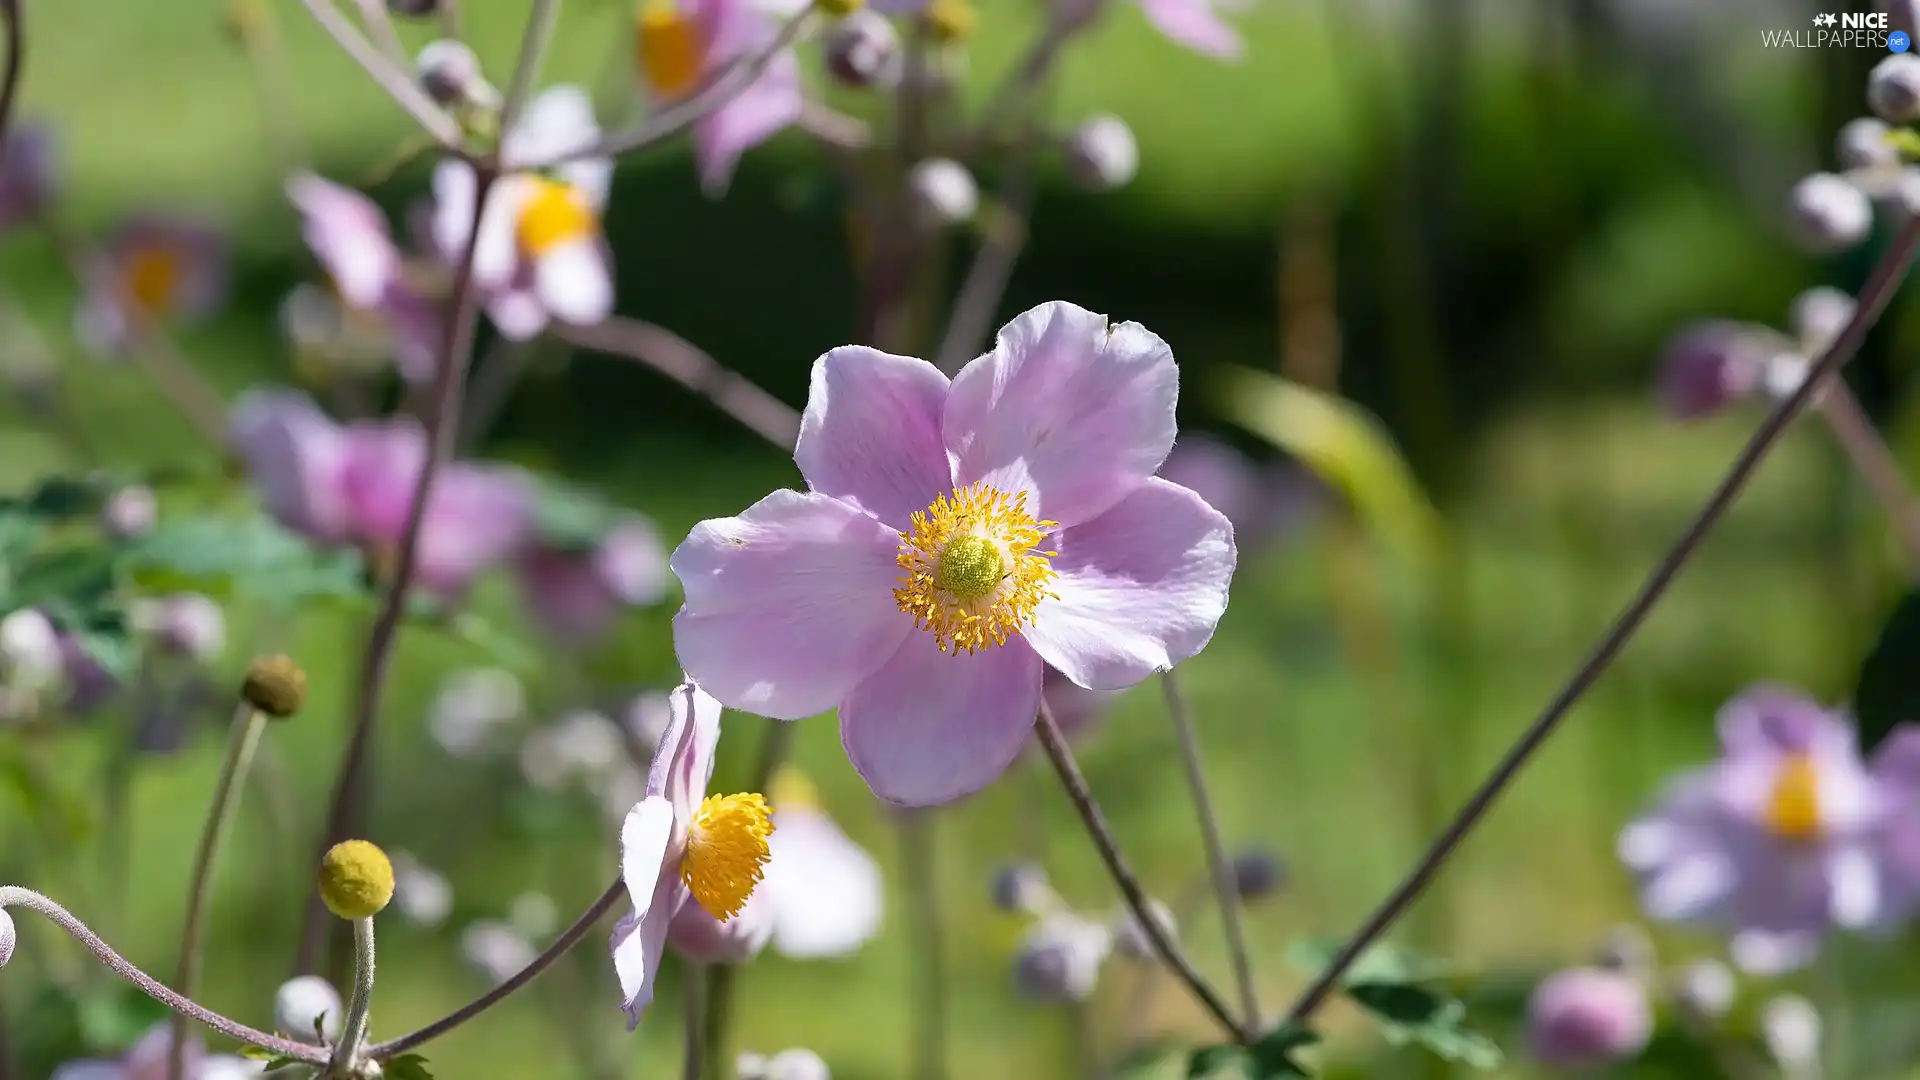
x: 14, y: 896
x: 248, y: 723
x: 1218, y: 864
x: 1874, y: 297
x: 1055, y: 744
x: 353, y: 1030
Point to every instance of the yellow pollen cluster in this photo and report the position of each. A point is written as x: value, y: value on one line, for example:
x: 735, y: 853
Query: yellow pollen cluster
x: 726, y: 849
x: 151, y: 277
x: 972, y: 574
x: 554, y: 214
x: 669, y: 48
x: 1793, y: 810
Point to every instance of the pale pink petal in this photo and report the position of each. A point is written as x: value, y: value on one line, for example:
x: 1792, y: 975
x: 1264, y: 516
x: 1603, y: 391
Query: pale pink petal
x: 1072, y: 411
x: 827, y: 891
x: 575, y: 283
x: 761, y: 111
x: 1141, y: 588
x: 349, y: 235
x: 639, y: 942
x: 295, y: 454
x: 704, y: 939
x: 693, y: 733
x: 380, y: 467
x: 1195, y: 24
x: 788, y: 605
x: 148, y: 1060
x: 557, y: 122
x: 517, y: 312
x: 475, y: 518
x: 929, y: 727
x: 497, y: 251
x: 88, y: 1069
x: 871, y: 432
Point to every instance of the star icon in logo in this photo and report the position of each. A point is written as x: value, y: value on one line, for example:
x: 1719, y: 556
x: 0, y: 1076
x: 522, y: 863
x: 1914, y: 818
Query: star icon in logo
x: 1825, y: 20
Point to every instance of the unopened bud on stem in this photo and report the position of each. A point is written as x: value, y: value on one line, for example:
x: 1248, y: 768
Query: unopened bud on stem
x: 356, y: 879
x: 1830, y: 214
x: 1102, y: 154
x: 863, y: 50
x: 7, y: 937
x: 943, y: 192
x: 414, y: 9
x: 276, y: 686
x: 1893, y: 88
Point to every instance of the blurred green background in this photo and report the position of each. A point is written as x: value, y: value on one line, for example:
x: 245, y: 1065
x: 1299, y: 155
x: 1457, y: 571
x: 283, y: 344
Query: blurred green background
x: 1513, y: 207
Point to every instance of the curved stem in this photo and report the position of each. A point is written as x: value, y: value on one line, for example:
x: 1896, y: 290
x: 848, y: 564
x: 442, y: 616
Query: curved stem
x: 16, y: 62
x: 568, y: 938
x: 15, y: 896
x: 690, y: 366
x: 247, y: 725
x: 1874, y: 462
x: 1217, y: 863
x: 533, y: 49
x: 1874, y: 297
x: 1081, y: 796
x: 397, y: 82
x: 923, y: 895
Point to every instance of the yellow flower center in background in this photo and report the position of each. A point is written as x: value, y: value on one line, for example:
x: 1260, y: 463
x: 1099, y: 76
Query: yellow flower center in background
x: 791, y: 788
x: 669, y: 48
x: 554, y: 214
x: 1793, y: 810
x: 726, y: 849
x: 152, y: 276
x: 973, y: 576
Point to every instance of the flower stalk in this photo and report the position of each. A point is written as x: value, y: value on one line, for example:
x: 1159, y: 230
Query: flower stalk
x: 353, y: 1031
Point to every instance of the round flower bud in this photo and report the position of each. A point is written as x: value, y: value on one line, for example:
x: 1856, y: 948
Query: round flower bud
x: 1102, y: 154
x: 275, y: 685
x: 943, y: 192
x: 356, y: 880
x: 1863, y: 144
x: 1587, y: 1016
x: 1830, y: 214
x: 1022, y: 888
x: 1706, y: 989
x: 413, y: 9
x: 30, y: 653
x: 305, y: 1003
x: 1790, y: 1026
x: 1783, y: 374
x: 188, y: 625
x: 1818, y: 315
x: 1258, y: 874
x: 863, y: 50
x: 798, y: 1063
x: 7, y: 937
x: 129, y: 512
x: 1131, y: 938
x: 949, y: 21
x: 1893, y: 88
x: 1706, y: 368
x: 1060, y: 959
x: 448, y: 71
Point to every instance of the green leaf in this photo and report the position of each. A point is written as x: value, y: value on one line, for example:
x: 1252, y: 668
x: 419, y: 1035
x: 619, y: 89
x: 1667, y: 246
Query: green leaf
x: 251, y: 555
x: 1887, y: 692
x: 1269, y: 1058
x: 1217, y: 1061
x: 406, y: 1067
x: 1382, y: 962
x: 1410, y: 1013
x: 69, y: 583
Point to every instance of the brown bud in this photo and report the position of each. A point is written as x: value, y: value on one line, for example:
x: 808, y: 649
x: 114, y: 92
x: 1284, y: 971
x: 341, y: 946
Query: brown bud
x: 276, y: 686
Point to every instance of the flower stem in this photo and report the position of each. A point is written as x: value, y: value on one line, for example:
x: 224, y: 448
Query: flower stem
x: 986, y: 280
x: 1055, y: 744
x: 563, y: 944
x: 692, y: 1041
x: 923, y: 907
x: 1874, y: 461
x: 397, y: 82
x: 248, y: 723
x: 15, y: 62
x: 687, y: 364
x: 533, y: 49
x: 15, y: 896
x: 1217, y: 862
x: 1874, y: 297
x: 353, y: 1032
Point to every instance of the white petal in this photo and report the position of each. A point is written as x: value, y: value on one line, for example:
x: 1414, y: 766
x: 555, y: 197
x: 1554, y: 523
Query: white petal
x: 572, y: 281
x: 1688, y: 887
x: 1854, y: 880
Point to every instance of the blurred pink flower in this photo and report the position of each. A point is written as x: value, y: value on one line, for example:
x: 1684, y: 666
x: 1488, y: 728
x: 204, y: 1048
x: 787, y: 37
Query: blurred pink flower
x: 576, y: 595
x: 704, y: 939
x: 683, y: 45
x: 349, y: 236
x: 1195, y: 24
x: 154, y: 269
x: 149, y: 1060
x: 1708, y: 366
x: 27, y: 174
x: 958, y: 538
x: 1260, y: 499
x: 826, y: 892
x: 1588, y: 1016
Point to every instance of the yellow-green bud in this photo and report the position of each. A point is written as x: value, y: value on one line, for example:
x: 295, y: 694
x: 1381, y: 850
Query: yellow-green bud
x: 950, y: 20
x: 356, y: 879
x: 839, y: 9
x: 275, y: 685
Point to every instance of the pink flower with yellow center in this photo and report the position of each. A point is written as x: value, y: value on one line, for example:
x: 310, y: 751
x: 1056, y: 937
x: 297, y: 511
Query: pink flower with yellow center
x: 682, y: 45
x: 371, y: 278
x: 957, y: 538
x: 539, y: 253
x: 153, y: 270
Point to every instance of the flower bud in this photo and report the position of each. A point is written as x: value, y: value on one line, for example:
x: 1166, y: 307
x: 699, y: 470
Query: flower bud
x: 1893, y: 88
x: 414, y: 9
x: 449, y: 72
x: 943, y: 192
x: 1790, y: 1026
x: 1706, y: 989
x: 1060, y: 959
x: 949, y: 21
x: 1586, y: 1016
x: 1863, y: 144
x: 1022, y: 888
x: 1102, y: 154
x: 30, y: 653
x: 187, y: 625
x: 8, y: 936
x: 1830, y: 214
x: 276, y: 686
x: 129, y: 512
x: 305, y: 1003
x: 356, y: 879
x: 1131, y: 938
x: 1818, y: 315
x: 863, y: 50
x: 1258, y: 874
x: 1783, y: 374
x: 1708, y: 367
x: 795, y: 1064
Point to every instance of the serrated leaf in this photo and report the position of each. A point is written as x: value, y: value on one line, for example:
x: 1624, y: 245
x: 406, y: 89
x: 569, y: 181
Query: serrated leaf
x: 1887, y: 692
x: 406, y: 1067
x: 1411, y: 1013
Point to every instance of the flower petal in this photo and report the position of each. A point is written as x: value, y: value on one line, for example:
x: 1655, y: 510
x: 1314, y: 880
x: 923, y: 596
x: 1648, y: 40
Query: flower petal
x: 517, y: 312
x: 1141, y: 588
x: 1072, y: 411
x: 764, y: 109
x: 639, y: 940
x: 1196, y: 25
x: 929, y: 727
x: 704, y: 939
x: 574, y: 283
x: 295, y: 454
x: 380, y: 466
x: 349, y: 236
x: 557, y: 122
x: 475, y: 517
x: 497, y: 251
x: 826, y: 891
x: 871, y: 432
x: 788, y: 605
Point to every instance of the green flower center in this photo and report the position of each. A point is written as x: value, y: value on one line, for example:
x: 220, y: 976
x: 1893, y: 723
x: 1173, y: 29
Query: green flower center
x: 969, y: 567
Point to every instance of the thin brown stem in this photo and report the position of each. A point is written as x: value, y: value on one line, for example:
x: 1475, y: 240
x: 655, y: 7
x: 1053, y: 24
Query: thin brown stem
x: 1874, y: 297
x: 533, y: 50
x: 1218, y: 865
x: 563, y: 944
x: 395, y: 80
x: 1874, y: 461
x: 1055, y: 744
x: 687, y: 364
x: 16, y: 63
x: 986, y: 281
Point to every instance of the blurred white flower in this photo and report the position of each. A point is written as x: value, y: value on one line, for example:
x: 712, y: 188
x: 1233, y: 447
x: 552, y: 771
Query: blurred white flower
x: 30, y: 655
x: 495, y: 950
x: 798, y: 1063
x: 304, y: 1002
x: 533, y: 915
x: 826, y: 891
x: 1060, y: 959
x: 471, y: 705
x: 422, y: 895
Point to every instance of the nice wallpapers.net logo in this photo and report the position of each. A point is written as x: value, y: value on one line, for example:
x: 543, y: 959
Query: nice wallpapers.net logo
x: 1842, y: 30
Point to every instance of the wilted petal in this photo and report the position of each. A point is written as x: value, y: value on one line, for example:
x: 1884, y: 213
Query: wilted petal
x: 1141, y: 588
x: 929, y: 726
x: 1070, y: 410
x: 349, y: 236
x: 295, y: 454
x: 871, y: 432
x: 788, y: 605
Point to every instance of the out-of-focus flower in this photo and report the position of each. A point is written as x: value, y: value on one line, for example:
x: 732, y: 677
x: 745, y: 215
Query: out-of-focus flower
x: 1060, y: 959
x: 680, y: 846
x: 704, y: 939
x: 680, y: 45
x: 538, y: 253
x: 187, y: 624
x: 1866, y: 143
x: 471, y: 706
x: 1817, y: 317
x: 1588, y: 1016
x: 581, y: 747
x: 915, y: 586
x: 1131, y: 939
x: 129, y: 512
x: 576, y: 595
x: 30, y: 654
x: 1893, y: 88
x: 349, y: 236
x: 26, y: 174
x: 152, y: 270
x: 863, y: 50
x: 355, y: 485
x: 1775, y: 843
x: 646, y: 719
x: 87, y: 683
x: 1790, y: 1027
x: 1706, y: 988
x: 1102, y: 155
x: 1709, y: 366
x: 450, y: 74
x: 306, y: 1004
x: 1022, y: 888
x: 826, y: 892
x: 1195, y: 24
x: 422, y: 895
x: 1260, y: 500
x: 943, y: 192
x: 150, y: 1057
x: 495, y: 949
x: 1830, y: 214
x: 795, y: 1064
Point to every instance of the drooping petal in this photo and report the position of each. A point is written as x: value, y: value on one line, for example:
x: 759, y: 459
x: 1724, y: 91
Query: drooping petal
x: 349, y: 236
x: 295, y: 454
x: 1195, y: 24
x: 1141, y: 588
x: 1071, y: 410
x: 929, y: 727
x: 788, y: 605
x: 871, y: 432
x: 574, y: 282
x: 827, y: 894
x: 647, y: 846
x: 639, y: 941
x: 768, y: 106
